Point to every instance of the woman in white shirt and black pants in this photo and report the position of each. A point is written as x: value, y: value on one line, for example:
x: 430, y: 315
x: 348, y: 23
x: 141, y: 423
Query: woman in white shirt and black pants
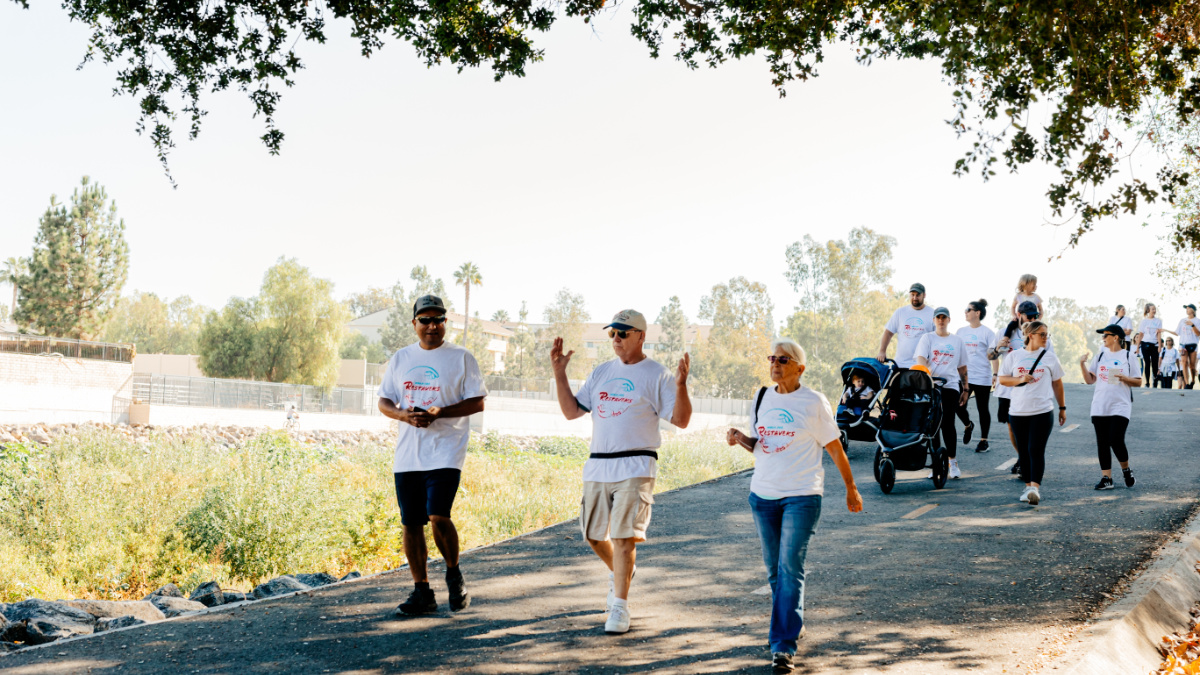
x: 1035, y: 376
x: 1113, y: 371
x: 791, y: 426
x: 1148, y: 329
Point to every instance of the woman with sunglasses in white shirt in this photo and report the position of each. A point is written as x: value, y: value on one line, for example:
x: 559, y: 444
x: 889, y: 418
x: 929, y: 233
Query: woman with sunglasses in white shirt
x: 1113, y: 372
x: 1035, y: 376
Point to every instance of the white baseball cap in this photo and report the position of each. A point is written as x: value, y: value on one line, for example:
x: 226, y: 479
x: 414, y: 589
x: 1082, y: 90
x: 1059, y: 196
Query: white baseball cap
x: 628, y: 319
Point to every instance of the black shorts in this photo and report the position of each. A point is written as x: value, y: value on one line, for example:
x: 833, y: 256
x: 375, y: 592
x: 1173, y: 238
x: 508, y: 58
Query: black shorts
x: 1189, y: 348
x: 421, y: 494
x: 1002, y: 410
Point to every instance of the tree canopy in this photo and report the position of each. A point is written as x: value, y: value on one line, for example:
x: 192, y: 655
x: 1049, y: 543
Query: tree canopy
x: 1095, y: 63
x: 156, y: 326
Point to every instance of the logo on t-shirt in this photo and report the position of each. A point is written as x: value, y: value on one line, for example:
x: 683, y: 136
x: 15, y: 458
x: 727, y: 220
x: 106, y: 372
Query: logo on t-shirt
x: 1107, y: 370
x: 915, y: 327
x: 1026, y: 363
x: 776, y: 430
x: 615, y: 397
x: 421, y: 387
x: 943, y: 354
x: 971, y: 341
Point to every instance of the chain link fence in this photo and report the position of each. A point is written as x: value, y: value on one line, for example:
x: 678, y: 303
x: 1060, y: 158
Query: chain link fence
x: 208, y: 392
x: 38, y: 345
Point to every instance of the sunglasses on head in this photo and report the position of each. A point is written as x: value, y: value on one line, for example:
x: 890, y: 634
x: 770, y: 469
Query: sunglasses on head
x: 435, y: 320
x: 614, y: 333
x: 781, y: 360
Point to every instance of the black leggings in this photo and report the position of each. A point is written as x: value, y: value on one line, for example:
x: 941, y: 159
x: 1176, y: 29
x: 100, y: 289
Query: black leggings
x: 982, y: 393
x: 1150, y: 363
x: 1031, y: 433
x: 1110, y: 434
x: 949, y: 409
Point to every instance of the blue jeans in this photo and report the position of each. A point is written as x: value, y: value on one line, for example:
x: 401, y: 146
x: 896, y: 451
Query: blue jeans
x: 785, y: 526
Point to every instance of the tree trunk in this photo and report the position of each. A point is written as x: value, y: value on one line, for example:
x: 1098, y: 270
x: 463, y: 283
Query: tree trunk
x: 467, y: 309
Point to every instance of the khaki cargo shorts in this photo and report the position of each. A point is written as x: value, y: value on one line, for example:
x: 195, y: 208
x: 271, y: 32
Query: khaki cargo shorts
x: 620, y: 510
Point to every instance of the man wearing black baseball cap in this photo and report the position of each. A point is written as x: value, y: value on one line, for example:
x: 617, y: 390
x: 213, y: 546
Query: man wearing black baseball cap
x: 431, y: 387
x: 908, y: 324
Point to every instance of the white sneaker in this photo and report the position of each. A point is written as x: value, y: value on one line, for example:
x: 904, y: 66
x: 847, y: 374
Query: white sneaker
x: 1034, y: 496
x: 954, y: 472
x: 1025, y: 494
x: 612, y: 589
x: 618, y: 620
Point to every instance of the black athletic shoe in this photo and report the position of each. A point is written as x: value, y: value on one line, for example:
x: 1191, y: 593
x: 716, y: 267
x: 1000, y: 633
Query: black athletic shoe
x: 982, y: 447
x: 1128, y: 477
x: 967, y: 432
x: 420, y: 601
x: 459, y: 597
x: 781, y: 662
x: 1105, y: 483
x: 1016, y: 468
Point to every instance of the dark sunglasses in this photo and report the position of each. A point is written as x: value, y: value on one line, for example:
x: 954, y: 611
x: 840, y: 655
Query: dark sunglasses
x: 613, y: 333
x: 435, y: 320
x: 1111, y: 335
x: 781, y: 360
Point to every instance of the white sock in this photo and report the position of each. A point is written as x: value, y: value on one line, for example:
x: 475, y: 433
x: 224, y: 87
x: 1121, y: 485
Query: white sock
x: 618, y: 602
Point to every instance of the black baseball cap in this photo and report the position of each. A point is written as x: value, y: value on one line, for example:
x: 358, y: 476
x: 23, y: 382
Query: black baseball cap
x: 427, y: 302
x: 1028, y: 308
x: 1191, y: 307
x: 918, y: 287
x: 1114, y: 329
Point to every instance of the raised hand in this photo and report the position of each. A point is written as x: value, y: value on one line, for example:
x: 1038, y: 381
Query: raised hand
x: 558, y: 360
x: 1087, y: 356
x: 685, y: 366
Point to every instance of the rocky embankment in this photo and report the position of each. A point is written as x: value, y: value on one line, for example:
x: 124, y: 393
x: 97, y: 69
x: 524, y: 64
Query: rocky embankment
x: 224, y: 435
x: 35, y: 622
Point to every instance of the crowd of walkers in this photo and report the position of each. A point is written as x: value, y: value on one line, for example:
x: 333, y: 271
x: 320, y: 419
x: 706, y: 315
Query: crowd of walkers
x: 432, y: 386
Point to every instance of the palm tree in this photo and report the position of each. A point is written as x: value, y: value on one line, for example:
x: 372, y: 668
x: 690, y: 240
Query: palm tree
x: 466, y: 276
x: 501, y: 316
x: 14, y: 268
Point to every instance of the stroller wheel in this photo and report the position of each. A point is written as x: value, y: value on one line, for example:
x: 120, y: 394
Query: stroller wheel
x: 878, y: 459
x: 887, y: 476
x: 941, y: 468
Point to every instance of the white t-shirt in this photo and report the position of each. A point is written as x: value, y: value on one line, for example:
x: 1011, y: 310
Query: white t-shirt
x: 1037, y: 397
x: 1034, y: 298
x: 978, y: 342
x: 422, y: 378
x: 1186, y: 336
x: 1112, y: 397
x: 1016, y: 343
x: 945, y: 355
x: 1168, y: 360
x: 1123, y: 321
x: 626, y: 402
x: 1149, y: 330
x: 793, y: 430
x: 908, y: 325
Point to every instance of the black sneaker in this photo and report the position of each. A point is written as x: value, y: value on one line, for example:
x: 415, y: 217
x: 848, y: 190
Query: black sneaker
x: 967, y: 432
x: 420, y: 601
x: 459, y: 597
x: 1016, y: 468
x: 1128, y: 477
x: 781, y: 662
x: 982, y: 447
x: 1105, y: 483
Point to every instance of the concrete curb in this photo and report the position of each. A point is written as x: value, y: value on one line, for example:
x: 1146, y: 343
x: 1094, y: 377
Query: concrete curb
x: 1125, y: 638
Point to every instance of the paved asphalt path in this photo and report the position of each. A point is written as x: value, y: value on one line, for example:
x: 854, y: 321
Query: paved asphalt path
x: 979, y: 583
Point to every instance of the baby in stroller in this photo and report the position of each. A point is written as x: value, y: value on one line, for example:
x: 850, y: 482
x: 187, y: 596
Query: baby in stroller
x: 858, y: 396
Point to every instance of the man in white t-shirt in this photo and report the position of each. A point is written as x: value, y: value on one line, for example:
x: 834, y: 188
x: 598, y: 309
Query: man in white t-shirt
x: 431, y: 387
x: 908, y: 324
x: 626, y: 398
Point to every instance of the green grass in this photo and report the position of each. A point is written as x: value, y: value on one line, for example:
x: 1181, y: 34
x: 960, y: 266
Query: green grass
x: 95, y: 515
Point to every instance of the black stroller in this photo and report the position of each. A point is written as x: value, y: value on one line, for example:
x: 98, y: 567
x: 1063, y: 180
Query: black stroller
x: 855, y: 420
x: 908, y: 429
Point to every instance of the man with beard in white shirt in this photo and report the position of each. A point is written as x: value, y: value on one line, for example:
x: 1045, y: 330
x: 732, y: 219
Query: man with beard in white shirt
x: 626, y: 397
x: 908, y: 324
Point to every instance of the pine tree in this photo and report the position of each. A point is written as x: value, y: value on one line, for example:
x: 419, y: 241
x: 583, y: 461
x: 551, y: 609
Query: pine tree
x: 79, y: 264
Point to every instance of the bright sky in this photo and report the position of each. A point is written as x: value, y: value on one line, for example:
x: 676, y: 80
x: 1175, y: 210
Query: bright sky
x: 622, y: 178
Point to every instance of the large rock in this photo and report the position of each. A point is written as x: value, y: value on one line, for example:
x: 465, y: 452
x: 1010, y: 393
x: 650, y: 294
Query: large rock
x: 117, y: 622
x: 352, y: 575
x: 168, y: 591
x: 318, y: 579
x: 280, y: 586
x: 235, y: 596
x: 208, y: 594
x: 6, y: 647
x: 111, y: 609
x: 3, y: 621
x: 36, y: 622
x: 173, y: 607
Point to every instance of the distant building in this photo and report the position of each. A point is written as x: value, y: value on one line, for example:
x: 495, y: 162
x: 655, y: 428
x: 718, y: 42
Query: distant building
x: 498, y: 334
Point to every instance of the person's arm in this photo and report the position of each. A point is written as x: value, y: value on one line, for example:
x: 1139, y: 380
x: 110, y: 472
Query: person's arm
x: 922, y: 361
x: 1012, y: 311
x: 463, y: 408
x: 566, y: 399
x: 1061, y: 397
x: 412, y: 417
x: 736, y: 437
x: 1088, y: 377
x: 964, y: 386
x: 883, y: 345
x: 838, y: 454
x: 681, y: 414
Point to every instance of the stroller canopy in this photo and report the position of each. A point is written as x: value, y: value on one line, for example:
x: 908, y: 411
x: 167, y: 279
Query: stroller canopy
x: 874, y: 373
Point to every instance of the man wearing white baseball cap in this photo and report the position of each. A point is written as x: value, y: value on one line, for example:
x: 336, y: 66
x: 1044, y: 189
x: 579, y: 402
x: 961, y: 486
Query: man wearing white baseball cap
x: 626, y: 397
